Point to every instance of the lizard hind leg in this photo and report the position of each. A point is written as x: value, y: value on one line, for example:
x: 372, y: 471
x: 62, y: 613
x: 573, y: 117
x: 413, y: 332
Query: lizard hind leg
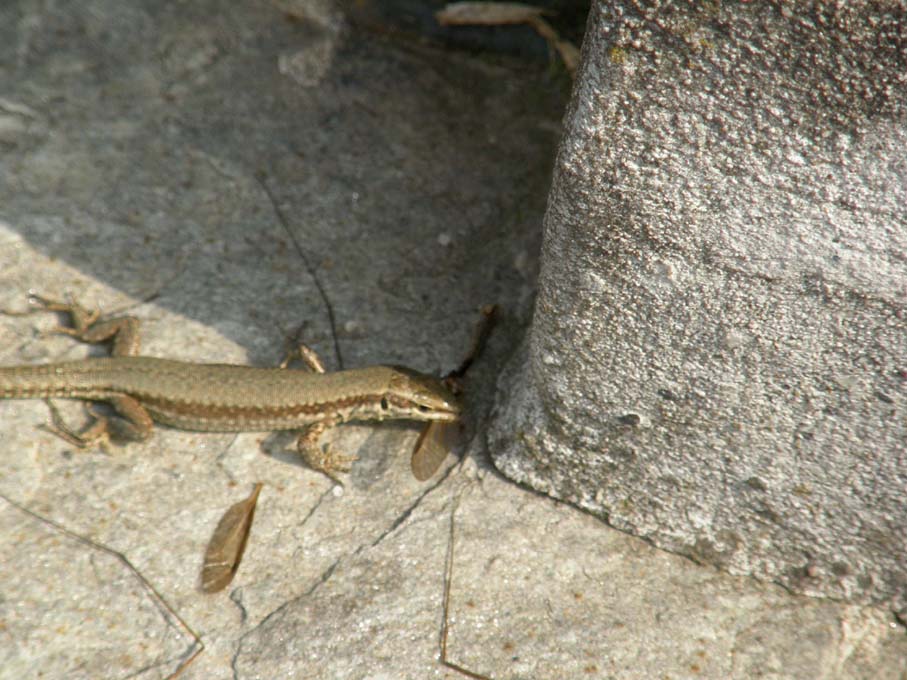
x: 88, y: 326
x: 96, y: 434
x: 135, y: 424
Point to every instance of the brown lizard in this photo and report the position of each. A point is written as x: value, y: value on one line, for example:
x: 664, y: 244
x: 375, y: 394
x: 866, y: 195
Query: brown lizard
x: 220, y: 397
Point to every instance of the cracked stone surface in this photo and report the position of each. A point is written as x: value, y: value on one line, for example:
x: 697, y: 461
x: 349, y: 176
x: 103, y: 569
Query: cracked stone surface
x: 233, y: 174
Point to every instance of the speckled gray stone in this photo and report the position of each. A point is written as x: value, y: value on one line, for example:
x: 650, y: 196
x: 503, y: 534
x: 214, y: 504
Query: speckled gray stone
x: 718, y: 357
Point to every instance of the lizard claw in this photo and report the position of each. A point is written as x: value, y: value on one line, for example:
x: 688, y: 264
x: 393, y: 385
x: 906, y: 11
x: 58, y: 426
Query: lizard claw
x: 328, y: 461
x: 96, y: 434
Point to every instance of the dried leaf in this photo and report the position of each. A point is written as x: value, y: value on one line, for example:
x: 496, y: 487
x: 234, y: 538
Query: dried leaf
x: 497, y: 13
x: 225, y: 550
x: 434, y: 443
x: 569, y: 55
x: 488, y: 13
x: 568, y: 51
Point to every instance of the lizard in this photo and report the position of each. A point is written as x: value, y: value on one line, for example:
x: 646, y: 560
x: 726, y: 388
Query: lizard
x: 218, y: 397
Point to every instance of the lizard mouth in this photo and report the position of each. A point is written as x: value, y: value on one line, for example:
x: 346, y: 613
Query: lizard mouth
x: 446, y: 411
x: 437, y: 415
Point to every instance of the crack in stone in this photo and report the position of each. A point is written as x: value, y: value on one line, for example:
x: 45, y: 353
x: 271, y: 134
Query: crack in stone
x: 235, y: 599
x: 325, y: 576
x: 327, y: 573
x: 402, y: 517
x: 306, y: 262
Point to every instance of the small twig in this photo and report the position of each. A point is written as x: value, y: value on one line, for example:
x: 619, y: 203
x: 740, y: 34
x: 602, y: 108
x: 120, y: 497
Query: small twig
x: 479, y: 337
x: 445, y: 607
x: 501, y: 13
x: 197, y: 643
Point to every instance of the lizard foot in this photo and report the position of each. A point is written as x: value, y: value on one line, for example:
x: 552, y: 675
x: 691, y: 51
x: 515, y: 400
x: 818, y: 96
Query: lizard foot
x: 327, y: 461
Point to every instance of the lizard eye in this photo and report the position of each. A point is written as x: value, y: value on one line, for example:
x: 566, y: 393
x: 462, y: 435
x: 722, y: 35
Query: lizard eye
x: 384, y: 404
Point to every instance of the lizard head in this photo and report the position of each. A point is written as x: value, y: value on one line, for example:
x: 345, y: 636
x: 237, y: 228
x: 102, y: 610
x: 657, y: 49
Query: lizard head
x: 419, y: 397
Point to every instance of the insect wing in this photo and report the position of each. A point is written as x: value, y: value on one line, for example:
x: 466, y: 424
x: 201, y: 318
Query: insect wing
x: 228, y: 543
x: 434, y: 443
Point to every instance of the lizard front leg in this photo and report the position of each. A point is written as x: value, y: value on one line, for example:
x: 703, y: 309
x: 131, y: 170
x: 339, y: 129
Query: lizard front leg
x: 136, y: 423
x: 305, y: 354
x: 324, y: 459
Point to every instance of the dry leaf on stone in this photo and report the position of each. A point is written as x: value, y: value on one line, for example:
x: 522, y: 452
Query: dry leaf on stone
x: 498, y: 13
x: 225, y: 550
x: 488, y: 13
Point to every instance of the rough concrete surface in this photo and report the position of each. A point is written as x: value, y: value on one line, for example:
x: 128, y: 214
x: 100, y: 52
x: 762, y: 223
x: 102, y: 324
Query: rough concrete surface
x: 718, y: 356
x: 160, y: 159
